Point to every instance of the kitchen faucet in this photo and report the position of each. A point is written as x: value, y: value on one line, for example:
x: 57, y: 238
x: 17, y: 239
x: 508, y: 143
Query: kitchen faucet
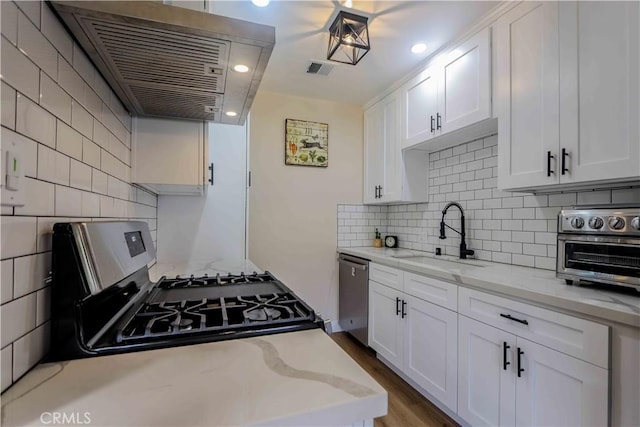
x: 463, y: 245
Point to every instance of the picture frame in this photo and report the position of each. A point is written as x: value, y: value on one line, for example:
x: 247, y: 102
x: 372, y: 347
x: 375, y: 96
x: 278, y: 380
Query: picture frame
x: 306, y: 143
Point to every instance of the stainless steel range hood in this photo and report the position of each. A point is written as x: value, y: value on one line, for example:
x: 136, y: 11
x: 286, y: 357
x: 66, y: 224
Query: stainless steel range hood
x: 167, y: 61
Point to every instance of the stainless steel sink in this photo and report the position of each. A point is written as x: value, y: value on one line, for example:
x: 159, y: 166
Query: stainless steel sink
x: 450, y: 260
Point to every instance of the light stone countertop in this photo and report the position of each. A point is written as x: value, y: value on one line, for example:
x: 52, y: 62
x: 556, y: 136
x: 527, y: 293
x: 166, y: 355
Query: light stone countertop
x: 532, y: 284
x: 296, y: 378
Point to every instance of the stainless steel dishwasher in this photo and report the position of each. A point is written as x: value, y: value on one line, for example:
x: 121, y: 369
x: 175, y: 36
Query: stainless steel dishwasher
x: 354, y: 297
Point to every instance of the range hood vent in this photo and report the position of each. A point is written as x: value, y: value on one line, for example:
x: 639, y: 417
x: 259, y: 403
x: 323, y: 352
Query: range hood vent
x: 167, y: 61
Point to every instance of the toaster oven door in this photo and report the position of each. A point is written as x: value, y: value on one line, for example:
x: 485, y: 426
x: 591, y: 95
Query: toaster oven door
x: 600, y: 259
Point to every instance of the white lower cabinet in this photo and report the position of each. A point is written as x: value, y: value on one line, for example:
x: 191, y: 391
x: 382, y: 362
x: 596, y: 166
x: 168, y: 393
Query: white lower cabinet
x: 417, y: 337
x: 489, y: 359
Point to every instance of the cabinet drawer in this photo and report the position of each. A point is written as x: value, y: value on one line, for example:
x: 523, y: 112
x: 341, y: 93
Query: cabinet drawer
x: 576, y: 337
x: 432, y: 290
x: 386, y: 275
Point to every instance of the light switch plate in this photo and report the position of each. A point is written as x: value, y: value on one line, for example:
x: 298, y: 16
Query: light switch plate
x: 12, y: 173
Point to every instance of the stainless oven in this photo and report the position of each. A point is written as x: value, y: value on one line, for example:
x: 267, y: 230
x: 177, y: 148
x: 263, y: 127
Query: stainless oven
x: 599, y: 245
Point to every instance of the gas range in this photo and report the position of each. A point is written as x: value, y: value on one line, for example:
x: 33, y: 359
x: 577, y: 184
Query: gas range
x: 103, y: 301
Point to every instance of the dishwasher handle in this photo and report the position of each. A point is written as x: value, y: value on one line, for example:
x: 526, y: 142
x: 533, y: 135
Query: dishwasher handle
x: 357, y: 266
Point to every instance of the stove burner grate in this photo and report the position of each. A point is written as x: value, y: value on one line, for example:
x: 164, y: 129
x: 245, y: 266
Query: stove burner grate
x: 206, y: 280
x: 170, y: 318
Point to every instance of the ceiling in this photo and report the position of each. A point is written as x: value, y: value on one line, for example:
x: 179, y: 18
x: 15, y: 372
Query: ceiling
x: 394, y: 26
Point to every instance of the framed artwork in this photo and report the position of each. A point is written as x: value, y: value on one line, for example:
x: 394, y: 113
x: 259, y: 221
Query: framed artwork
x: 306, y: 143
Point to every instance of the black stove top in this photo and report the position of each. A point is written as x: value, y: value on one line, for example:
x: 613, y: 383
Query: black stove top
x: 90, y: 319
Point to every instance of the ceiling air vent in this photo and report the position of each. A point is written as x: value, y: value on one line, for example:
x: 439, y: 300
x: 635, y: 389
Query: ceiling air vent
x: 319, y: 68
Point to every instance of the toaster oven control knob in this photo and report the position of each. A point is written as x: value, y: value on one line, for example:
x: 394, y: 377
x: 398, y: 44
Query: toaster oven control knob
x: 577, y: 222
x: 635, y: 223
x: 616, y: 223
x: 596, y: 223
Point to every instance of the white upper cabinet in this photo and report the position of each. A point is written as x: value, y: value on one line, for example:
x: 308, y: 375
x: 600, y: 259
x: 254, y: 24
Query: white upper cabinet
x: 567, y: 76
x: 420, y: 106
x: 599, y: 90
x: 169, y: 155
x: 528, y: 92
x: 388, y: 175
x: 464, y: 86
x: 451, y: 94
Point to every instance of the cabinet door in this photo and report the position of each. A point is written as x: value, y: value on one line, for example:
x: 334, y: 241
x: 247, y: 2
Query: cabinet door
x: 373, y: 151
x: 464, y: 86
x: 419, y: 105
x: 527, y: 77
x: 486, y: 390
x: 599, y: 66
x: 431, y: 349
x: 558, y: 390
x: 385, y: 325
x: 392, y: 165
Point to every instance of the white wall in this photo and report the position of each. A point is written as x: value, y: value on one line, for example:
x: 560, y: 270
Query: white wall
x: 77, y: 160
x: 292, y: 209
x: 193, y: 228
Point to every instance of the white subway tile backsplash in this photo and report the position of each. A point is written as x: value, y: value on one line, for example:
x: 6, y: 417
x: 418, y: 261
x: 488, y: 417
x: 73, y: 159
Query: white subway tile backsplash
x: 53, y: 166
x: 90, y: 153
x: 18, y: 236
x: 69, y: 141
x: 37, y: 47
x: 9, y: 24
x: 54, y: 98
x: 68, y: 201
x: 35, y: 122
x: 18, y: 71
x: 90, y: 204
x: 601, y: 197
x: 29, y: 350
x: 99, y: 182
x: 92, y: 101
x: 30, y: 272
x: 70, y: 80
x: 6, y: 357
x: 8, y: 106
x: 31, y: 9
x: 17, y: 317
x: 562, y: 199
x: 6, y: 282
x: 627, y: 195
x: 38, y: 198
x: 55, y: 32
x: 43, y: 305
x: 44, y: 232
x: 80, y: 176
x: 83, y: 66
x: 81, y: 120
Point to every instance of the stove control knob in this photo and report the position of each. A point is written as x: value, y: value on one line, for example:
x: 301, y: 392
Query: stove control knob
x: 635, y: 223
x: 616, y: 223
x: 577, y: 222
x: 596, y: 223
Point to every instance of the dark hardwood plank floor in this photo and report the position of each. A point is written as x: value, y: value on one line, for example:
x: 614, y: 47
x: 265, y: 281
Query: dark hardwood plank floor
x: 407, y: 407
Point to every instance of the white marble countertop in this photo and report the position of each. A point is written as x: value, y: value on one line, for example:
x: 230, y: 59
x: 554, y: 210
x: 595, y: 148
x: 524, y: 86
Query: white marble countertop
x: 296, y: 378
x: 535, y: 285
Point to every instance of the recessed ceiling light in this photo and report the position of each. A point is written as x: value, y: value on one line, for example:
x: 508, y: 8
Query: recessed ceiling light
x: 260, y: 3
x: 231, y: 113
x: 241, y: 68
x: 418, y: 48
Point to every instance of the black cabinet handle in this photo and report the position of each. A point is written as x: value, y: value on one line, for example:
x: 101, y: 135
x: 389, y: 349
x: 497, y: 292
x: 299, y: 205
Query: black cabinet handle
x: 505, y: 347
x: 510, y: 317
x: 438, y: 122
x: 397, y: 306
x: 433, y: 123
x: 520, y: 368
x: 211, y: 169
x: 404, y: 313
x: 380, y: 191
x: 549, y: 157
x: 375, y: 192
x: 564, y: 161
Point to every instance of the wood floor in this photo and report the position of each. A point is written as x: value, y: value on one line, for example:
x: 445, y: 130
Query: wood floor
x: 407, y: 407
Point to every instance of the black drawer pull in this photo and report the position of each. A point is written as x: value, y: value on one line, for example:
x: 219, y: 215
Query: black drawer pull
x: 404, y: 313
x: 510, y: 317
x: 438, y: 123
x: 549, y: 157
x: 433, y: 124
x: 397, y: 306
x: 564, y: 161
x: 211, y: 177
x: 505, y: 347
x: 520, y: 368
